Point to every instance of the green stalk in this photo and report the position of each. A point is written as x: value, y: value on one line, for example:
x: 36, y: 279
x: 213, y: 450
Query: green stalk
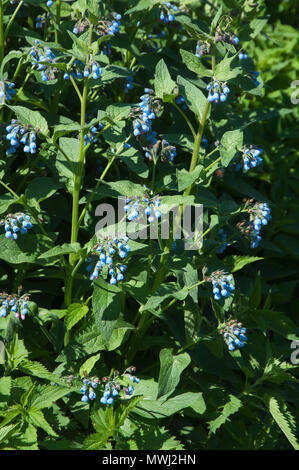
x: 1, y: 33
x: 12, y: 19
x: 58, y: 6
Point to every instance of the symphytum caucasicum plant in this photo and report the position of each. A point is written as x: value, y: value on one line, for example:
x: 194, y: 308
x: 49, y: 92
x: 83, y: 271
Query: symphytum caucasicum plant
x: 179, y: 338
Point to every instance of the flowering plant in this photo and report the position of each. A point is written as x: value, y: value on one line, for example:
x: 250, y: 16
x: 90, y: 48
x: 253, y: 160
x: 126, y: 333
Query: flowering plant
x: 147, y: 110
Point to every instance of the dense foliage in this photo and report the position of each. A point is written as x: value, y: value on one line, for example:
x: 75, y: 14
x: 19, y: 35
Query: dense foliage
x: 124, y: 343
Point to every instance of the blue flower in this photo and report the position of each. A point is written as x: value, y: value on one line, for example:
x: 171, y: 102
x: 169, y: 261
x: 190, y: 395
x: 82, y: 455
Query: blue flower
x: 234, y: 335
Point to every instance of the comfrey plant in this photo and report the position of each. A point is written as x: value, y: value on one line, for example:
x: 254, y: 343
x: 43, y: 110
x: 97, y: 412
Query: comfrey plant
x: 18, y: 134
x: 16, y: 303
x: 122, y: 125
x: 110, y: 251
x: 16, y: 224
x: 222, y: 284
x: 234, y: 334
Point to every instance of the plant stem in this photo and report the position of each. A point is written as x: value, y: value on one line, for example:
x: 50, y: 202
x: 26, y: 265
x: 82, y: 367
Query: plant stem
x: 12, y: 19
x: 58, y: 5
x: 1, y: 33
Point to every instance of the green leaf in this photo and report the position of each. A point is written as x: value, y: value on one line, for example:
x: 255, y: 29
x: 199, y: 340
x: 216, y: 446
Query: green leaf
x: 5, y: 201
x: 106, y: 302
x: 75, y: 312
x: 43, y: 396
x: 224, y: 70
x: 284, y: 420
x: 5, y: 388
x: 38, y: 420
x: 88, y: 365
x: 170, y: 370
x: 236, y: 262
x: 164, y: 84
x: 229, y: 408
x: 95, y: 441
x: 193, y: 96
x: 163, y: 292
x: 64, y: 249
x: 36, y: 369
x: 34, y: 118
x: 231, y: 142
x: 194, y: 64
x: 39, y: 189
x: 186, y: 178
x: 24, y: 250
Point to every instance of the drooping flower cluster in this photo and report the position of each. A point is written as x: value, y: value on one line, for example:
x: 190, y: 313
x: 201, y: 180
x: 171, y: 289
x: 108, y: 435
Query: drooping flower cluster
x: 234, y: 335
x: 250, y: 158
x: 105, y: 27
x: 149, y: 205
x: 7, y: 91
x: 88, y: 389
x: 223, y: 237
x: 259, y: 216
x: 21, y: 134
x: 144, y: 114
x: 15, y: 224
x: 14, y: 303
x: 40, y: 20
x: 114, y: 388
x: 166, y: 13
x: 243, y: 55
x: 160, y: 149
x: 108, y: 252
x: 224, y: 36
x: 92, y: 132
x: 202, y: 49
x: 44, y: 60
x: 217, y: 91
x: 222, y: 284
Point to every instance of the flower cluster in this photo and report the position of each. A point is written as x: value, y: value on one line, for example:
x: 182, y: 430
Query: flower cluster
x: 222, y: 284
x: 226, y: 37
x: 144, y: 113
x: 106, y: 27
x: 148, y: 204
x: 234, y: 334
x: 14, y: 303
x: 7, y: 92
x: 15, y: 224
x: 18, y: 134
x: 88, y: 389
x: 49, y: 3
x: 113, y: 388
x: 250, y: 158
x: 202, y: 49
x: 159, y: 149
x: 40, y: 21
x: 44, y: 60
x: 166, y: 15
x: 243, y: 55
x: 217, y: 91
x: 259, y: 216
x: 223, y: 237
x: 92, y: 132
x: 107, y: 253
